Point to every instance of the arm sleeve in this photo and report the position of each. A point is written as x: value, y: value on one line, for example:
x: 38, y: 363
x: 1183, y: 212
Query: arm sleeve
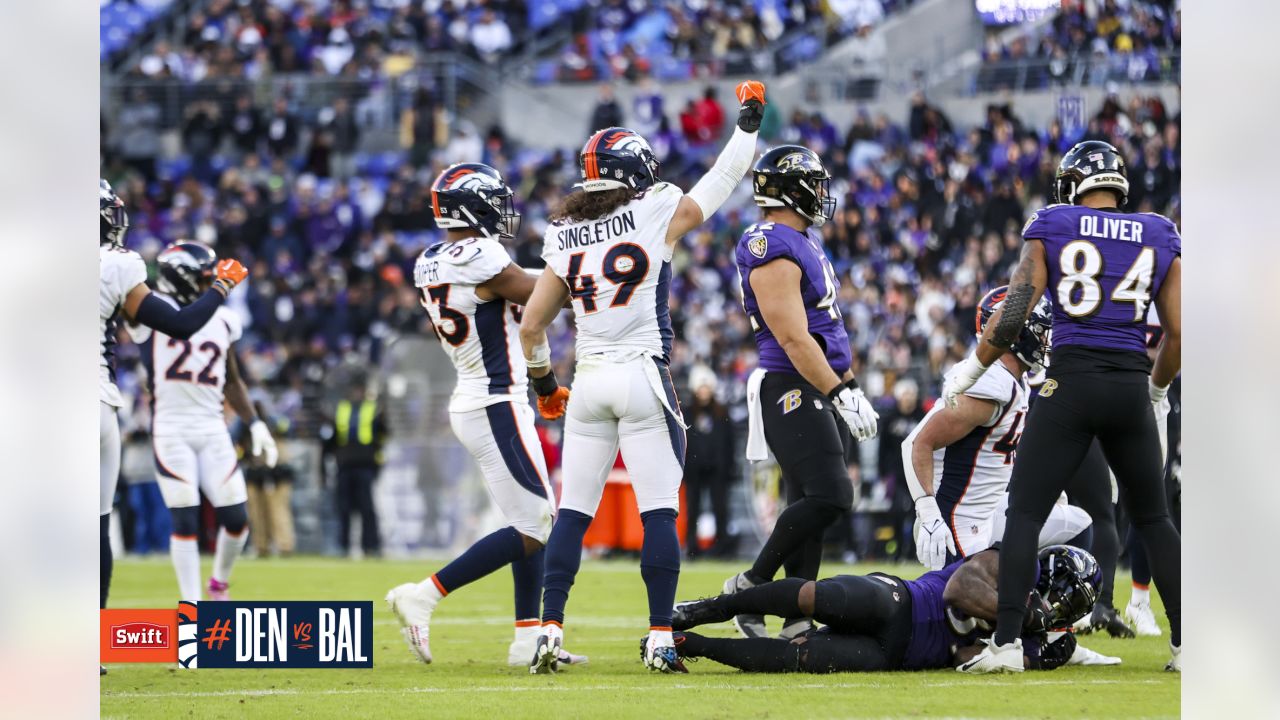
x: 734, y: 161
x: 182, y: 324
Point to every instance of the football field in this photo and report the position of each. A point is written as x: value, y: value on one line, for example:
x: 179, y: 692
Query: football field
x: 606, y: 618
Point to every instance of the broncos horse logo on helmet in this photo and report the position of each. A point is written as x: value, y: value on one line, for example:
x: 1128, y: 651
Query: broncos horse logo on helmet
x: 1033, y: 341
x: 112, y: 219
x: 617, y: 158
x: 474, y: 196
x: 1069, y: 581
x: 793, y: 176
x: 1091, y: 165
x: 186, y: 269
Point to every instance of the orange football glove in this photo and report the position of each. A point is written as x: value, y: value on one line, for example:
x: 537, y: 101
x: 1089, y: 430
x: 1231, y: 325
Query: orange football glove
x: 552, y: 406
x: 230, y: 274
x: 750, y: 90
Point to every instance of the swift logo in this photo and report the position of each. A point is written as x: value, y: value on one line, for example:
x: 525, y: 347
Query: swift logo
x: 139, y: 636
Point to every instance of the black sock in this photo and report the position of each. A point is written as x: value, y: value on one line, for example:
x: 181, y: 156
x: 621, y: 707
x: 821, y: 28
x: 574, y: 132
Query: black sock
x: 1018, y: 569
x: 780, y: 598
x: 1139, y: 566
x: 1165, y: 555
x: 797, y: 525
x: 768, y: 655
x: 104, y: 559
x: 1106, y: 550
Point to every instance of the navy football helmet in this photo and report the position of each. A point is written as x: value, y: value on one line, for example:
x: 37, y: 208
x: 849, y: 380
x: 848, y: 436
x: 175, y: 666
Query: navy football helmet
x: 113, y: 221
x: 1069, y: 581
x: 1032, y: 344
x: 616, y: 158
x: 793, y: 176
x: 474, y: 196
x: 1091, y: 165
x: 186, y: 269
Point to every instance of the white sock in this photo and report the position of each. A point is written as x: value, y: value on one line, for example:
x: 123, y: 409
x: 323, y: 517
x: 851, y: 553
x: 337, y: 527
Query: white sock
x: 661, y: 638
x: 431, y: 589
x: 1141, y: 596
x: 185, y: 553
x: 228, y: 549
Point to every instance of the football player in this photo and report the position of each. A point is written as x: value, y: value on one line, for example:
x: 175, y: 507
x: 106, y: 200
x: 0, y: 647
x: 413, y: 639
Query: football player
x: 473, y: 293
x: 609, y: 248
x: 804, y: 401
x: 881, y: 622
x: 189, y: 379
x: 1104, y: 269
x: 123, y: 291
x: 958, y: 459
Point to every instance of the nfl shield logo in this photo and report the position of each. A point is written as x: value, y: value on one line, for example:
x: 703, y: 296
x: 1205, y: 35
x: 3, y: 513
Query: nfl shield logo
x: 758, y: 245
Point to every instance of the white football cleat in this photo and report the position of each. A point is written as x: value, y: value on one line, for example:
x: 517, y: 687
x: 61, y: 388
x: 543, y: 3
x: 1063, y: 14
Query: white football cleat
x: 995, y: 658
x: 750, y: 625
x: 522, y: 648
x: 658, y: 652
x: 1085, y: 656
x: 1175, y: 663
x: 546, y: 650
x: 413, y: 607
x: 1142, y: 619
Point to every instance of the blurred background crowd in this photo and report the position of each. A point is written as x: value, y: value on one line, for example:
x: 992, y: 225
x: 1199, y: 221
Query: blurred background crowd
x: 929, y: 209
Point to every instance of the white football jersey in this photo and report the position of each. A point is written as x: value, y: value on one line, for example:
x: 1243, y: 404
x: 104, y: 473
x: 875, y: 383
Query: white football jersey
x: 974, y: 471
x: 187, y: 377
x: 481, y: 337
x: 618, y: 269
x: 119, y: 271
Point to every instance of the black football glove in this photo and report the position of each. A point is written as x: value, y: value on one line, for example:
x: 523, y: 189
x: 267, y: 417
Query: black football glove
x: 1039, y: 617
x: 1044, y: 655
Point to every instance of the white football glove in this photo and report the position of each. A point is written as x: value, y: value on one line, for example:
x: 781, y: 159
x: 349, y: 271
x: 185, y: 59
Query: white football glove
x: 961, y: 378
x: 862, y: 419
x: 933, y: 537
x: 260, y: 441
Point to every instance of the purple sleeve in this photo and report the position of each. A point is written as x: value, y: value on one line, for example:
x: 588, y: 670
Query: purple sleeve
x: 1038, y: 226
x: 1175, y: 238
x: 758, y: 247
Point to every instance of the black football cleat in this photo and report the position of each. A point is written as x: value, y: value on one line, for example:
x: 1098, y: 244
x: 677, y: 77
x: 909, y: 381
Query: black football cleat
x: 1106, y: 618
x: 693, y: 613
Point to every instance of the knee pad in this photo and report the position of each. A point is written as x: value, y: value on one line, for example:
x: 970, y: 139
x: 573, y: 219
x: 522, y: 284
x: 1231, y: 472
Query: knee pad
x: 186, y: 520
x: 233, y: 517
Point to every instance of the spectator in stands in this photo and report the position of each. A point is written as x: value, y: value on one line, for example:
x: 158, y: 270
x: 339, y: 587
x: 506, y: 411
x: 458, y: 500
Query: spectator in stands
x: 341, y: 123
x: 200, y: 137
x: 710, y: 117
x: 896, y: 423
x: 282, y: 130
x: 245, y: 126
x: 607, y: 112
x: 710, y: 462
x: 490, y: 36
x: 139, y: 132
x: 647, y: 109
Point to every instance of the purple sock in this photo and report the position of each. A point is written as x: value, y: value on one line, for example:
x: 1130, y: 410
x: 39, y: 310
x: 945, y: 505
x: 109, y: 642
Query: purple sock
x: 490, y: 552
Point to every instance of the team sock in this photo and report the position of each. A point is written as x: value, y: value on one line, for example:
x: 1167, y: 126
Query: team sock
x: 564, y: 556
x: 1139, y: 564
x: 660, y: 565
x: 750, y: 654
x: 527, y: 574
x: 498, y: 548
x: 1018, y: 568
x: 104, y: 558
x: 185, y: 553
x: 1141, y: 594
x: 228, y: 549
x: 780, y: 598
x: 796, y: 526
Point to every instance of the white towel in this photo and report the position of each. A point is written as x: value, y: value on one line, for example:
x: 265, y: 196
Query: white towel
x: 757, y: 448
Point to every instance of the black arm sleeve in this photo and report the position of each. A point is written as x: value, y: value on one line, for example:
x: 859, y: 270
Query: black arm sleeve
x: 182, y: 324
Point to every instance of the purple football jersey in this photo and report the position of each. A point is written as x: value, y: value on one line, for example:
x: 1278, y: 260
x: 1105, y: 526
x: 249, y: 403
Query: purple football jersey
x: 765, y: 242
x: 1105, y: 270
x: 932, y: 639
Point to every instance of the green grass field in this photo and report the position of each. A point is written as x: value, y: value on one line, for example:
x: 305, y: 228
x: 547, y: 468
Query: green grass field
x: 606, y: 617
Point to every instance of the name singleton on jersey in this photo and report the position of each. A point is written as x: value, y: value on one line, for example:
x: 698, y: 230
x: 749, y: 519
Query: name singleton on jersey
x: 576, y: 236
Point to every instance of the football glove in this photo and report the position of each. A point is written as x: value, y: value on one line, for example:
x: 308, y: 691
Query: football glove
x: 857, y: 412
x: 230, y: 274
x: 1039, y: 618
x: 552, y: 406
x: 750, y: 95
x: 933, y: 538
x: 260, y: 441
x: 961, y: 378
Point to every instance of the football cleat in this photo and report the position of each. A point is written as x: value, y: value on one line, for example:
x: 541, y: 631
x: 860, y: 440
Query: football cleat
x: 750, y: 625
x: 413, y: 609
x: 102, y: 670
x: 1175, y: 663
x: 547, y: 650
x: 995, y: 658
x: 1143, y: 620
x: 1105, y: 617
x: 1085, y: 656
x: 793, y: 629
x: 663, y: 658
x: 526, y: 641
x: 219, y: 590
x: 693, y: 613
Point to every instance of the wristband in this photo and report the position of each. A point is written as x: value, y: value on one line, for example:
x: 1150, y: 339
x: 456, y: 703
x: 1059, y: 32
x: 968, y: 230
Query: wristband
x: 834, y: 393
x: 852, y: 383
x: 541, y: 357
x: 545, y: 385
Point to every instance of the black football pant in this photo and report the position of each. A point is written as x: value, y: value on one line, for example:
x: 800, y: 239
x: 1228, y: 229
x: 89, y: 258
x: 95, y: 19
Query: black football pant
x: 1114, y: 407
x: 1090, y: 490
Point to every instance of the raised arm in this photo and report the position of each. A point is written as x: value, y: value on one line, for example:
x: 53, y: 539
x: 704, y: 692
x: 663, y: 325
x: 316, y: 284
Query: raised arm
x: 733, y: 163
x: 141, y: 308
x: 549, y: 295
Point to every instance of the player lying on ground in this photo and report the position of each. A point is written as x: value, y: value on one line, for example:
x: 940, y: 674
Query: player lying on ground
x: 609, y: 247
x: 122, y: 290
x: 1104, y: 268
x: 958, y: 459
x: 881, y: 622
x: 189, y: 379
x: 473, y: 293
x: 803, y: 401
